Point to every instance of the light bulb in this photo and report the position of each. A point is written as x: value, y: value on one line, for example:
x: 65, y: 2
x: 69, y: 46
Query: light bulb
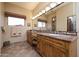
x: 40, y: 13
x: 47, y: 8
x: 53, y: 5
x: 33, y: 17
x: 43, y: 11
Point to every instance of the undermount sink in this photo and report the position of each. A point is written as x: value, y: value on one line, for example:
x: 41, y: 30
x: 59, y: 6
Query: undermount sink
x: 57, y: 35
x: 53, y: 35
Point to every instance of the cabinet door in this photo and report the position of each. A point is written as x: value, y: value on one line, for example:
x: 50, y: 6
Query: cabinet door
x: 47, y: 49
x: 56, y: 51
x: 29, y: 35
x: 39, y: 46
x: 44, y: 48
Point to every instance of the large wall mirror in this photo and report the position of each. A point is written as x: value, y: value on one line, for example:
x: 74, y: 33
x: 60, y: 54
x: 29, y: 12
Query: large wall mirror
x: 71, y: 24
x: 59, y: 20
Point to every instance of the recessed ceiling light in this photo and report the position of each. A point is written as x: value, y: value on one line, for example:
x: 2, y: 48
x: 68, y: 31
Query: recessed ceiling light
x: 53, y: 4
x: 47, y: 8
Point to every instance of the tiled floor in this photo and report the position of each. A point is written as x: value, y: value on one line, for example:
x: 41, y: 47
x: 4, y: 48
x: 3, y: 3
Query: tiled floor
x: 20, y: 49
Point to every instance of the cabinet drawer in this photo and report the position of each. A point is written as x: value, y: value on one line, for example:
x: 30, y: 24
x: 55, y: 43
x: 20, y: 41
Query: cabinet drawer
x: 59, y: 43
x: 53, y: 49
x: 56, y: 42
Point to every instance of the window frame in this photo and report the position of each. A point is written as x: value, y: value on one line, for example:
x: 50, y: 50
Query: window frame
x: 15, y: 24
x: 42, y: 21
x: 10, y: 14
x: 14, y: 15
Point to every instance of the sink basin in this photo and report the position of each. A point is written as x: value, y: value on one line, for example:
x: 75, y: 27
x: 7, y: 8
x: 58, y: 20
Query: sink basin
x: 58, y: 35
x: 53, y: 35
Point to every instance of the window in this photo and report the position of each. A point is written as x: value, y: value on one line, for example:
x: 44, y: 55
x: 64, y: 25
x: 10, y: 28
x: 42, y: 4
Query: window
x: 41, y: 24
x: 15, y: 21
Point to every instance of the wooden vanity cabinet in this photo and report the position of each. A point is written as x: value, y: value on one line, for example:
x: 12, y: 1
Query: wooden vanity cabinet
x: 50, y: 47
x: 29, y: 37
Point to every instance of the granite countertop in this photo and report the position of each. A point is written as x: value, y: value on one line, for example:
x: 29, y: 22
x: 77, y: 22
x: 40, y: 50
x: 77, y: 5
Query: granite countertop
x: 60, y: 36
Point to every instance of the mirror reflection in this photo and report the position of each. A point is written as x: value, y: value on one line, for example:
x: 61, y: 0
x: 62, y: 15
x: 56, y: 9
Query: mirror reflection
x: 71, y: 24
x: 61, y: 18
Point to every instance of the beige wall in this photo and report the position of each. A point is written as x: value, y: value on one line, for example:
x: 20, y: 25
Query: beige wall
x: 1, y: 24
x: 49, y: 20
x: 16, y: 9
x: 62, y: 14
x: 0, y: 29
x: 77, y: 13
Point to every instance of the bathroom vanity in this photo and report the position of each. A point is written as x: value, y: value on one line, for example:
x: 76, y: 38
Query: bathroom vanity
x: 54, y: 45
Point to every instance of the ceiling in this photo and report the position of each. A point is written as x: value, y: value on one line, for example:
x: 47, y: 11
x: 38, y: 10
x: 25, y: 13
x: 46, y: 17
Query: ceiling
x: 27, y: 5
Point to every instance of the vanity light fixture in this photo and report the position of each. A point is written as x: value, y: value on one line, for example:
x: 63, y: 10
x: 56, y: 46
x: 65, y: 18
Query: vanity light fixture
x: 37, y: 15
x: 33, y: 17
x: 40, y: 13
x: 43, y: 11
x: 47, y: 8
x: 53, y: 4
x: 53, y: 19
